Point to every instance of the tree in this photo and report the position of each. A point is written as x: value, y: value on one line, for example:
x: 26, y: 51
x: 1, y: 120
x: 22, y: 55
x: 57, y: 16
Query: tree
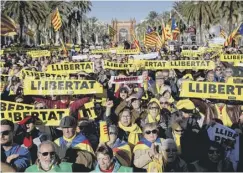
x: 229, y: 10
x: 26, y: 12
x: 200, y: 12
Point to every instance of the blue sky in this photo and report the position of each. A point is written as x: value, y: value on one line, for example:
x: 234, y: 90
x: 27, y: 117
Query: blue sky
x: 124, y: 10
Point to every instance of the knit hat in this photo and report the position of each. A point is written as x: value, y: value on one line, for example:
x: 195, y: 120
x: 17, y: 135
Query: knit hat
x: 156, y: 101
x: 68, y: 121
x: 185, y: 104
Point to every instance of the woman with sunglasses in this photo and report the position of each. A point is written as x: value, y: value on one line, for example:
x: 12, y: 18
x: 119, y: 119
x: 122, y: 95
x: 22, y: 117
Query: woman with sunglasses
x: 212, y: 160
x: 147, y: 152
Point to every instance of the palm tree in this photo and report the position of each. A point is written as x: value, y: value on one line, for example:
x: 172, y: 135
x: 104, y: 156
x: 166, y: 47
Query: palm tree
x: 199, y: 12
x: 25, y: 12
x: 230, y: 10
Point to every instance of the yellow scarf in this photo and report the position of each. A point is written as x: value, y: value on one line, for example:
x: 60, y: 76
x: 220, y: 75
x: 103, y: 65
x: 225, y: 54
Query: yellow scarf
x: 155, y: 166
x: 223, y: 115
x: 177, y: 139
x: 133, y: 130
x: 151, y: 120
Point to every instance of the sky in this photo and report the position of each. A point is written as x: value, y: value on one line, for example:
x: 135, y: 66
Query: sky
x: 125, y: 10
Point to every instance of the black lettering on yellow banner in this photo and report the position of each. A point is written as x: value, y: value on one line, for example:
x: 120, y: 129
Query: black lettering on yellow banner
x: 100, y: 51
x: 231, y: 57
x: 128, y: 51
x: 61, y: 87
x: 117, y: 66
x: 4, y: 78
x: 9, y: 106
x: 34, y: 74
x: 212, y: 90
x: 39, y: 53
x: 49, y: 117
x: 64, y: 68
x: 192, y: 64
x: 156, y: 65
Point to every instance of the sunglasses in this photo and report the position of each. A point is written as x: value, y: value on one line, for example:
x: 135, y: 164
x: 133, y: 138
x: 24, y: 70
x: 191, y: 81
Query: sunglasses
x: 213, y: 151
x: 179, y: 130
x: 152, y: 131
x: 155, y: 108
x: 228, y: 71
x: 113, y: 133
x: 47, y: 153
x: 164, y: 103
x: 5, y: 133
x: 218, y: 69
x: 171, y: 150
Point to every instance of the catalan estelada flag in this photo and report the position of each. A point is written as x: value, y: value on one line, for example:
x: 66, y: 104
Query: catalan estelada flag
x: 237, y: 32
x: 175, y: 30
x: 56, y: 20
x: 111, y: 31
x: 8, y: 26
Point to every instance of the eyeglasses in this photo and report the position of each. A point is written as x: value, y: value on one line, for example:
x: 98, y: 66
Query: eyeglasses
x: 164, y: 103
x: 213, y: 151
x: 171, y: 150
x: 228, y: 71
x: 155, y: 108
x: 182, y: 130
x: 152, y: 131
x: 47, y: 153
x: 218, y: 69
x: 5, y: 133
x: 112, y: 133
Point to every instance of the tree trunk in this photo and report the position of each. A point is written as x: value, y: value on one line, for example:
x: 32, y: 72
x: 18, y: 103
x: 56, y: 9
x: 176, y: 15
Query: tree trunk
x: 200, y: 26
x: 230, y: 17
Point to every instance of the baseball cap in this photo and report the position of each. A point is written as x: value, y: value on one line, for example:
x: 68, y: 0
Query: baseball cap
x: 68, y: 121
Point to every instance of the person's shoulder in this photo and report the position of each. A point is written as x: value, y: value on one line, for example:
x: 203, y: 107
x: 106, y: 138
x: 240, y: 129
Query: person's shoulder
x: 65, y: 164
x: 32, y: 168
x: 20, y: 149
x: 126, y: 169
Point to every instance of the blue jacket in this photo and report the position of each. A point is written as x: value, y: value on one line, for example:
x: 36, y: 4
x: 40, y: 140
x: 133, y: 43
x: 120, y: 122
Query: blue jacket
x: 21, y: 162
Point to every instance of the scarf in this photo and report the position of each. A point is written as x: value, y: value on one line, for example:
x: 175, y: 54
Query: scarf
x: 156, y: 164
x: 223, y: 115
x: 177, y: 139
x: 133, y: 130
x: 151, y: 119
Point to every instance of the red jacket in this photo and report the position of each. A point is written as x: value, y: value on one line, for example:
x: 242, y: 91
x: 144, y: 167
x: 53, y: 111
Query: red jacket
x: 57, y: 104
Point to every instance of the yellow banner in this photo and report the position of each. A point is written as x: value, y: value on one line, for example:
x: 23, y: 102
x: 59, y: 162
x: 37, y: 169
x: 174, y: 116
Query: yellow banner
x: 231, y: 57
x: 9, y: 106
x: 212, y: 90
x: 192, y: 64
x: 117, y: 66
x: 65, y: 68
x: 156, y: 65
x: 238, y: 80
x: 127, y: 51
x: 61, y: 87
x: 35, y: 74
x: 2, y: 64
x: 48, y: 117
x: 100, y: 51
x: 1, y: 52
x: 238, y: 63
x: 90, y: 110
x: 39, y: 53
x: 191, y: 53
x: 4, y: 78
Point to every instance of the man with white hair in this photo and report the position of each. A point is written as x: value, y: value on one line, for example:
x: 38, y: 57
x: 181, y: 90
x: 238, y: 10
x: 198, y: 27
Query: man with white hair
x: 48, y: 161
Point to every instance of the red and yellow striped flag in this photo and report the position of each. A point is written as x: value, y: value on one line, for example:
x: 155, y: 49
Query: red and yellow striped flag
x: 56, y: 20
x: 222, y: 33
x: 150, y: 40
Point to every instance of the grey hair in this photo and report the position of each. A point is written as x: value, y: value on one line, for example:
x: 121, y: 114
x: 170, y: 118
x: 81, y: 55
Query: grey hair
x: 168, y: 142
x: 150, y: 125
x: 48, y: 142
x: 113, y: 128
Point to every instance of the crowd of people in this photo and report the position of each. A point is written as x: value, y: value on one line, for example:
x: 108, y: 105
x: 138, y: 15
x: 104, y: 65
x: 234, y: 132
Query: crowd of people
x: 150, y: 127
